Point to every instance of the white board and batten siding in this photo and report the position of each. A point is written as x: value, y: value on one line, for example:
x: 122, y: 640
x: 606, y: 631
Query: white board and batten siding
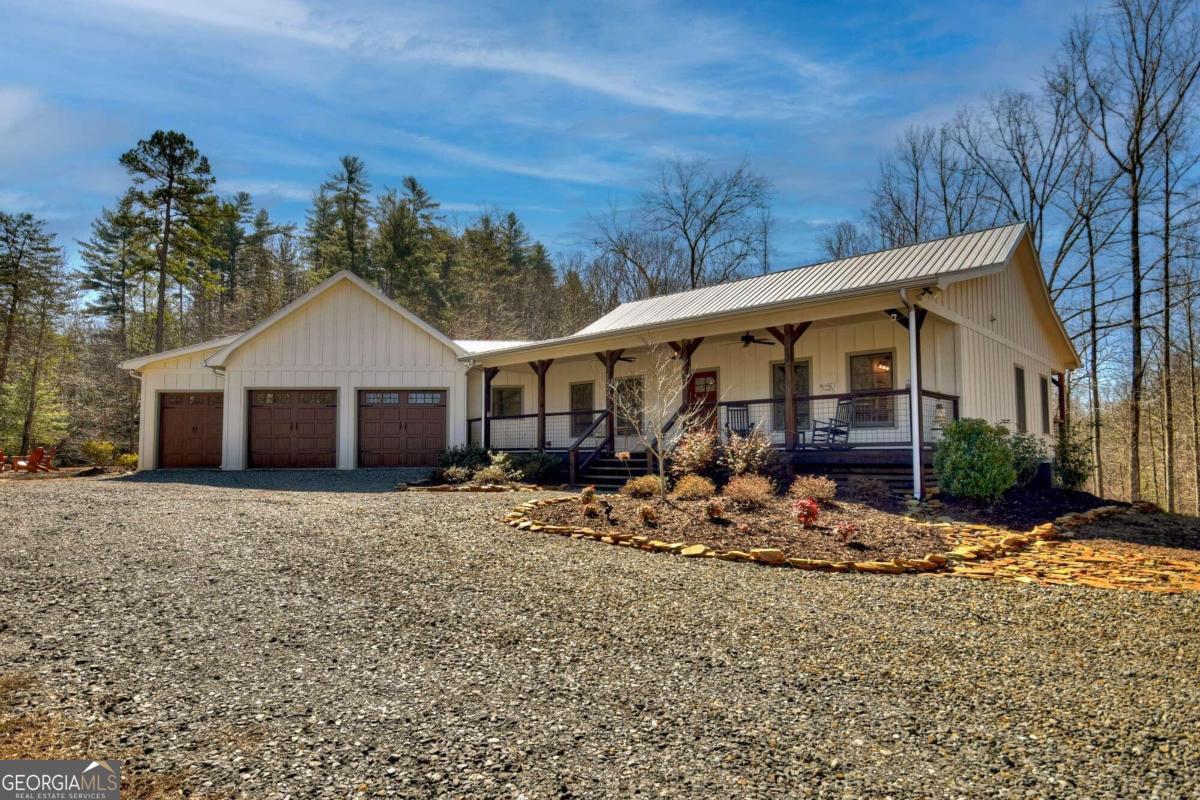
x: 185, y: 373
x: 344, y: 339
x: 1004, y: 328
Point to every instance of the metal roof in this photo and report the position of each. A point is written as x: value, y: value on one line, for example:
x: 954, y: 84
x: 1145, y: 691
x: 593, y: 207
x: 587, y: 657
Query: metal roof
x: 476, y: 346
x: 969, y: 251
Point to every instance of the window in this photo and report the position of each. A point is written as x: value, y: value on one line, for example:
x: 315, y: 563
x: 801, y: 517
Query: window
x: 1044, y: 391
x: 424, y: 398
x: 381, y: 398
x: 506, y: 401
x: 582, y: 397
x: 324, y: 398
x: 800, y: 371
x: 1019, y: 378
x: 628, y: 397
x: 272, y: 398
x: 873, y: 372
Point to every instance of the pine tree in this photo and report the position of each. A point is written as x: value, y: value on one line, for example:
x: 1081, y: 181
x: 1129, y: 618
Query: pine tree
x: 171, y: 184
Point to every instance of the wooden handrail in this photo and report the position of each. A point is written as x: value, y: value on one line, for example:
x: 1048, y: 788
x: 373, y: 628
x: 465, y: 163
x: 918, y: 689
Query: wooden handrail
x: 573, y: 451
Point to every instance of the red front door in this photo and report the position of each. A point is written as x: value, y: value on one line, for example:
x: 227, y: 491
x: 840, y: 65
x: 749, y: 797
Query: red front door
x: 702, y: 391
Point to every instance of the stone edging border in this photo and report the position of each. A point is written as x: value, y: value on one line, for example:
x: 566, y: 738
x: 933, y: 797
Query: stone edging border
x: 991, y: 544
x: 468, y: 487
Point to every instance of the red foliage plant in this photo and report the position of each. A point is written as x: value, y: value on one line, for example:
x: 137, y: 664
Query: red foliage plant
x: 806, y: 511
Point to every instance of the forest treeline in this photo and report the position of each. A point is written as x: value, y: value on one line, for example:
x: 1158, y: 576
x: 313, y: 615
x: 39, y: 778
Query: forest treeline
x: 1100, y: 160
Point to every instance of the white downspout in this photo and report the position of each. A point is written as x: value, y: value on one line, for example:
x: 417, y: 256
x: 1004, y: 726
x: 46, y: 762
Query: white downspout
x: 914, y: 384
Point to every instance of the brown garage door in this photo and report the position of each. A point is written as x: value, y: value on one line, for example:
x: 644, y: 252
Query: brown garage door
x: 189, y: 429
x: 401, y: 428
x: 293, y: 428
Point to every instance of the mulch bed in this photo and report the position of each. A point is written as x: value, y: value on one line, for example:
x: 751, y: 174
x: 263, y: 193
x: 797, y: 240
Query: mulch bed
x: 1020, y: 509
x: 880, y: 535
x: 1172, y: 536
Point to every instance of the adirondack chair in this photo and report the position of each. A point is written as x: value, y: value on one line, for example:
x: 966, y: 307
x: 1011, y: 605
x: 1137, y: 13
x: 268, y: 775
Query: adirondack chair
x: 835, y: 430
x: 29, y: 463
x: 47, y: 464
x: 3, y: 461
x: 737, y: 420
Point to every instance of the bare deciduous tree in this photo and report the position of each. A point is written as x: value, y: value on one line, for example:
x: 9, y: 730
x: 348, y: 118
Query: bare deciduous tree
x: 660, y: 415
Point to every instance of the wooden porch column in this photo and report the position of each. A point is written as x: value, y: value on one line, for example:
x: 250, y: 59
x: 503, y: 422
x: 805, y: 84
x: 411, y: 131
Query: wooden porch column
x: 540, y: 368
x: 684, y: 349
x: 488, y: 374
x: 609, y: 359
x: 787, y: 336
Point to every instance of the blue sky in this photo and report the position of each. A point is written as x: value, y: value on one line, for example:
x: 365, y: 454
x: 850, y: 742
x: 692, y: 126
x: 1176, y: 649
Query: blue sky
x: 553, y: 110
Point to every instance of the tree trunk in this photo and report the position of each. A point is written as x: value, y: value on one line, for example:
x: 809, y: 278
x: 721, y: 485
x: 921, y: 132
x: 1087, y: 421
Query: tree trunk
x: 1168, y: 405
x: 10, y: 330
x: 34, y: 376
x: 1135, y: 387
x: 1191, y: 339
x: 163, y: 248
x: 1094, y: 363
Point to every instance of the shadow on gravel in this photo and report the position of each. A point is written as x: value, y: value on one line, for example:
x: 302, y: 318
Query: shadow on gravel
x: 359, y: 481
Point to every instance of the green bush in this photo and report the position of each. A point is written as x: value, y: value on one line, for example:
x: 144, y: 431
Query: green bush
x: 537, y: 467
x: 1072, y: 462
x: 127, y: 461
x: 643, y: 486
x: 99, y: 451
x: 464, y: 455
x: 1028, y: 453
x: 694, y: 487
x: 973, y: 460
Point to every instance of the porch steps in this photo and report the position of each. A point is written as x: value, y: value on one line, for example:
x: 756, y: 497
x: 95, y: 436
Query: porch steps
x: 609, y: 474
x: 897, y: 477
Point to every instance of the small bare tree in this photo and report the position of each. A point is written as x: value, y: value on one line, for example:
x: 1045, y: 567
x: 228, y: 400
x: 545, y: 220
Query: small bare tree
x: 658, y: 414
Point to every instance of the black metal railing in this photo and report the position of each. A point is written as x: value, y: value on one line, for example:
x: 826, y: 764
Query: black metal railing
x: 848, y: 420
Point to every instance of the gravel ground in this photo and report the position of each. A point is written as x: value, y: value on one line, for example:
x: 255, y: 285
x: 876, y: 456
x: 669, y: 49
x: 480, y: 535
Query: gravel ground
x: 299, y: 635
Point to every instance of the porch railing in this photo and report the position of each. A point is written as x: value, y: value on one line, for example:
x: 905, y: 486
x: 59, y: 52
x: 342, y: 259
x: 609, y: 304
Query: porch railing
x: 563, y: 428
x: 868, y: 419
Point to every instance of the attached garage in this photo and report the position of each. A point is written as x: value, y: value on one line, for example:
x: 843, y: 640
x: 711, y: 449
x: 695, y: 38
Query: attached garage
x: 189, y: 426
x: 401, y: 428
x: 293, y: 428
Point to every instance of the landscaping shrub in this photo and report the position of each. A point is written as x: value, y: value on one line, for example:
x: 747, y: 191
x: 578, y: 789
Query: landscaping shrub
x: 1072, y: 462
x: 694, y: 487
x: 1028, y: 453
x: 464, y: 455
x: 694, y: 453
x: 818, y: 487
x: 749, y: 491
x: 871, y: 491
x: 453, y: 475
x: 643, y: 486
x: 537, y: 467
x: 99, y: 451
x: 490, y: 474
x: 647, y: 515
x: 587, y: 495
x: 127, y: 460
x: 845, y: 531
x: 752, y: 454
x: 973, y: 460
x: 714, y: 509
x: 806, y: 511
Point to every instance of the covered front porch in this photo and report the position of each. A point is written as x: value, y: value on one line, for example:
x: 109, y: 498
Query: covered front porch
x: 836, y: 389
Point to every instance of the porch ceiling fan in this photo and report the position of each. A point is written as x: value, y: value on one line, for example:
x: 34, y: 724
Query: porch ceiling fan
x: 749, y: 338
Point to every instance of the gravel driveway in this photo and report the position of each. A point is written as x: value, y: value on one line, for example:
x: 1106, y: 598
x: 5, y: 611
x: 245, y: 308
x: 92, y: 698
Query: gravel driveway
x: 299, y: 635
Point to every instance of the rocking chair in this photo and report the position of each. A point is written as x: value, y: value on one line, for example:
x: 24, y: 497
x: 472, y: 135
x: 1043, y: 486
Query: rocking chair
x: 836, y: 430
